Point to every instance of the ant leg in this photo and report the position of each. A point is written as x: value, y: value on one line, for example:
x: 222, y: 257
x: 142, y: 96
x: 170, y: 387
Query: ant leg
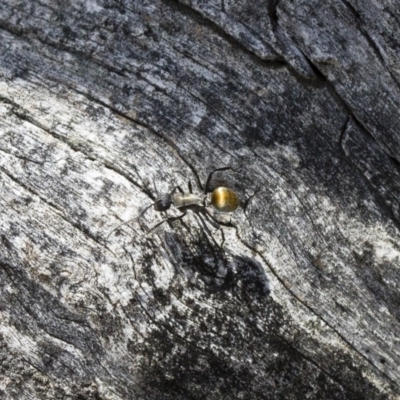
x: 190, y: 186
x: 206, y: 214
x: 130, y: 220
x: 207, y: 230
x: 206, y: 189
x: 175, y: 189
x: 170, y: 219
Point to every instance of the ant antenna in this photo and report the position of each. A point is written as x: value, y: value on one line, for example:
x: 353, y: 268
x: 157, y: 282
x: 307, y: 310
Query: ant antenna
x: 130, y: 220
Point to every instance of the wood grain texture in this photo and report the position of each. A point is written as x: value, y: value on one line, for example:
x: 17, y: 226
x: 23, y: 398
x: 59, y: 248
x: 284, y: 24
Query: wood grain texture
x: 293, y: 296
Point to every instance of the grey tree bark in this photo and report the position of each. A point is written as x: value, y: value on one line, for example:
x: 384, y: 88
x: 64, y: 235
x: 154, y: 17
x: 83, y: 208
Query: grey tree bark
x: 293, y: 296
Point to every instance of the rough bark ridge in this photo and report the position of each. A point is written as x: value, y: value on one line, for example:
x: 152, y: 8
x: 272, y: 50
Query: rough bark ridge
x: 294, y: 296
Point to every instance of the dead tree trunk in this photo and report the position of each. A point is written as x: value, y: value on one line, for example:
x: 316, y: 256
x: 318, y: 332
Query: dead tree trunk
x: 293, y: 296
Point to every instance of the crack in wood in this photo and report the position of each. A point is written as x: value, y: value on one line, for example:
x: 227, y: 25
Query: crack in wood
x: 194, y: 235
x: 10, y: 272
x: 138, y: 122
x: 343, y: 132
x: 26, y: 159
x: 60, y: 212
x: 195, y: 14
x: 311, y: 310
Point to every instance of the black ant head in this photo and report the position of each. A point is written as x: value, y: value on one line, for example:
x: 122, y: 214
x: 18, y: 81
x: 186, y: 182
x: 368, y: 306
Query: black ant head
x: 163, y: 203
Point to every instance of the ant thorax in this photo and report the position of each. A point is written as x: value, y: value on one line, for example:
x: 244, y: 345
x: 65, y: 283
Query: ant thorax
x: 187, y: 199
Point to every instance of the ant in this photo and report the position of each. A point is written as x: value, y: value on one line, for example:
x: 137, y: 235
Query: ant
x: 223, y: 199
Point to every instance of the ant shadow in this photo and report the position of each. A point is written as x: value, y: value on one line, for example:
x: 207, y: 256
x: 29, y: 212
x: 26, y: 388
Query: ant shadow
x: 217, y: 268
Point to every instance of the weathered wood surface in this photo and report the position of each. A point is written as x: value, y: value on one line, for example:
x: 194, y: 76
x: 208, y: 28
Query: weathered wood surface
x: 99, y: 98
